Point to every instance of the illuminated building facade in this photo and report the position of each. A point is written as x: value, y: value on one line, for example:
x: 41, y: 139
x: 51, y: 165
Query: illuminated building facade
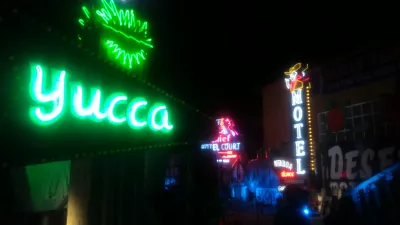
x: 356, y: 124
x: 353, y: 119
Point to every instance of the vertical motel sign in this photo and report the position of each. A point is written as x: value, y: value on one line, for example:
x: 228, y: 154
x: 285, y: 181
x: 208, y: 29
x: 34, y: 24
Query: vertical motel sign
x: 299, y: 86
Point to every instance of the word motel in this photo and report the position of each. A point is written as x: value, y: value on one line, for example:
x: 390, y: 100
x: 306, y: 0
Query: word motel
x: 296, y: 82
x: 299, y: 127
x: 52, y: 102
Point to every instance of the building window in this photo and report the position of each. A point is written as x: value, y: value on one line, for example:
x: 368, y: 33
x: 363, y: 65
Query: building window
x: 362, y: 121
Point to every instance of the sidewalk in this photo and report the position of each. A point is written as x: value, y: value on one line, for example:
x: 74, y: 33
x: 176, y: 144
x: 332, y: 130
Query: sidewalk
x: 247, y: 218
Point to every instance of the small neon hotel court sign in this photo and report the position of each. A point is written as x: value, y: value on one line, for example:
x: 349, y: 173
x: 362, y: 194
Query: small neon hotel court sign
x: 226, y: 138
x: 50, y: 103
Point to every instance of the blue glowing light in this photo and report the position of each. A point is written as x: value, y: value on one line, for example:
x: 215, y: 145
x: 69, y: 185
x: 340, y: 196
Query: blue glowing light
x: 306, y: 211
x: 169, y: 181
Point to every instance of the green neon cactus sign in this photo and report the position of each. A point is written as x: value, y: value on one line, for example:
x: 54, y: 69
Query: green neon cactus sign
x: 128, y: 41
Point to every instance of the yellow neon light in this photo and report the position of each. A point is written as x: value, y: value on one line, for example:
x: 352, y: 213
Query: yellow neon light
x: 296, y: 80
x: 312, y: 156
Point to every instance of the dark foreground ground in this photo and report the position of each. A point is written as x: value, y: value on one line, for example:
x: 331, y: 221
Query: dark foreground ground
x: 245, y: 214
x: 249, y: 218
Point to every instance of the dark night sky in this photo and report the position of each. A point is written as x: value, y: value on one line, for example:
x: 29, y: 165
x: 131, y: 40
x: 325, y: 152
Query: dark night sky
x: 218, y: 55
x: 229, y: 50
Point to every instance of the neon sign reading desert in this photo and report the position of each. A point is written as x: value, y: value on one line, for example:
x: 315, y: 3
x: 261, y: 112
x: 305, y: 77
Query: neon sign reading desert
x: 56, y: 99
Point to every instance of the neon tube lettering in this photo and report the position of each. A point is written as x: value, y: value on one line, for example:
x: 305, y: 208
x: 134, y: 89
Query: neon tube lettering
x: 93, y: 110
x: 299, y: 143
x: 298, y: 127
x: 110, y: 111
x: 132, y: 110
x: 296, y: 97
x: 164, y: 120
x: 56, y: 96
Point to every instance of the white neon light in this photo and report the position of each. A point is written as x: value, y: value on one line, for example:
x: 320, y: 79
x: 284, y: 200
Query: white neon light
x: 235, y: 146
x: 223, y: 161
x: 283, y: 164
x: 297, y: 113
x: 299, y: 169
x: 299, y: 142
x: 297, y: 97
x: 298, y: 127
x: 299, y: 145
